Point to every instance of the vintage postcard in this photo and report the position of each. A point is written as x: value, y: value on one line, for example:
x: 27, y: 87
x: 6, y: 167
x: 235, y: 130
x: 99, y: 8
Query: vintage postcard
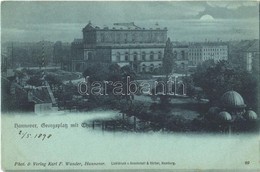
x: 130, y: 86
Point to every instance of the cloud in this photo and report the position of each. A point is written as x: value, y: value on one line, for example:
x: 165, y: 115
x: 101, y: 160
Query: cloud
x: 231, y: 10
x: 64, y: 20
x: 231, y: 4
x: 100, y: 12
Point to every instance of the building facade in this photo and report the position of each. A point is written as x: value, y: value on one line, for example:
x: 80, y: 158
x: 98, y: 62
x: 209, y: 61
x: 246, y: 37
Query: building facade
x: 245, y: 54
x: 251, y: 56
x: 200, y: 52
x: 128, y: 45
x: 180, y: 53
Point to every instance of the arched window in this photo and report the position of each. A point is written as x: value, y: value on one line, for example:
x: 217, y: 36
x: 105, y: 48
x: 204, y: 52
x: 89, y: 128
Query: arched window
x: 126, y: 37
x: 118, y: 57
x: 85, y: 56
x: 143, y: 56
x: 135, y: 56
x: 159, y: 55
x: 182, y: 65
x: 151, y: 67
x: 152, y: 56
x: 126, y: 56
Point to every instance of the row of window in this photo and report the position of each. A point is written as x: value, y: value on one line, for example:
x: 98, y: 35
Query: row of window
x: 149, y: 67
x: 207, y: 58
x: 135, y: 56
x: 134, y: 36
x: 208, y: 49
x: 215, y: 49
x: 212, y: 54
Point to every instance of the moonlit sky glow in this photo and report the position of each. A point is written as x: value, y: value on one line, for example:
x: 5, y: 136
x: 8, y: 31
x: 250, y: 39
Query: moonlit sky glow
x: 186, y: 21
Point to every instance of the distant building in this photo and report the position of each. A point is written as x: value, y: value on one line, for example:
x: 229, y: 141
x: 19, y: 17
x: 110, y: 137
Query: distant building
x: 142, y: 48
x: 245, y: 54
x: 57, y: 52
x: 181, y: 58
x: 251, y: 56
x: 29, y: 54
x: 77, y: 55
x: 200, y: 52
x: 62, y: 54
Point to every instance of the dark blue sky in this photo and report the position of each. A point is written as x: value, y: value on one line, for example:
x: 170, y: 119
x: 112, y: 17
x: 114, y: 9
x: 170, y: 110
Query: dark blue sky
x: 226, y: 20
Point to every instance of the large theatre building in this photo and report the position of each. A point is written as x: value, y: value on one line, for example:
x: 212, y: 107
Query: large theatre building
x: 124, y: 44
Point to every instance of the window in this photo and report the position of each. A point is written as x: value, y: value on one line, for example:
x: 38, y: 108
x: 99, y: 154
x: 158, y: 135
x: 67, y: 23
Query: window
x: 152, y: 56
x: 126, y: 38
x: 118, y: 57
x: 151, y: 67
x: 102, y: 37
x: 143, y: 56
x: 126, y: 56
x: 78, y: 67
x: 159, y: 55
x: 118, y: 37
x: 90, y: 56
x: 135, y: 56
x: 143, y: 68
x: 182, y: 65
x: 175, y: 54
x: 183, y: 55
x: 134, y: 37
x: 85, y: 56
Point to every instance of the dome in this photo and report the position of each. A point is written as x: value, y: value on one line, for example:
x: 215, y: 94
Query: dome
x: 232, y: 99
x: 224, y: 116
x: 250, y: 115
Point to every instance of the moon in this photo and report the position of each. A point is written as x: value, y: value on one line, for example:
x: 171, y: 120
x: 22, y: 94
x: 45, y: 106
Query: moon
x: 207, y: 18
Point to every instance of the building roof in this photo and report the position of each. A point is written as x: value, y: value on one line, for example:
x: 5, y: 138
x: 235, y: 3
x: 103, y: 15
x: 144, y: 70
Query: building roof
x: 89, y: 26
x: 232, y: 99
x: 250, y: 115
x: 224, y: 116
x: 121, y: 26
x: 245, y: 46
x: 254, y: 47
x: 180, y: 46
x: 201, y: 44
x: 76, y: 40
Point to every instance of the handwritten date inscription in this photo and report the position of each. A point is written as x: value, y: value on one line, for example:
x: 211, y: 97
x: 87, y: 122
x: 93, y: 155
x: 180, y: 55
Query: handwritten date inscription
x: 27, y: 135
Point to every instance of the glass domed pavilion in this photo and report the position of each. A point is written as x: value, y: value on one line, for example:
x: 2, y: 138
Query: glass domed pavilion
x: 233, y: 103
x: 232, y: 107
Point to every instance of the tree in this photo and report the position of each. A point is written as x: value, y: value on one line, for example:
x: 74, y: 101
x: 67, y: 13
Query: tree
x: 54, y: 81
x: 167, y: 63
x: 96, y: 72
x: 35, y: 81
x: 222, y: 77
x: 127, y: 71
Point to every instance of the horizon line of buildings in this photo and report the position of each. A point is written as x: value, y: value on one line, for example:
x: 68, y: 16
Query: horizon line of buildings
x: 142, y: 48
x: 128, y: 44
